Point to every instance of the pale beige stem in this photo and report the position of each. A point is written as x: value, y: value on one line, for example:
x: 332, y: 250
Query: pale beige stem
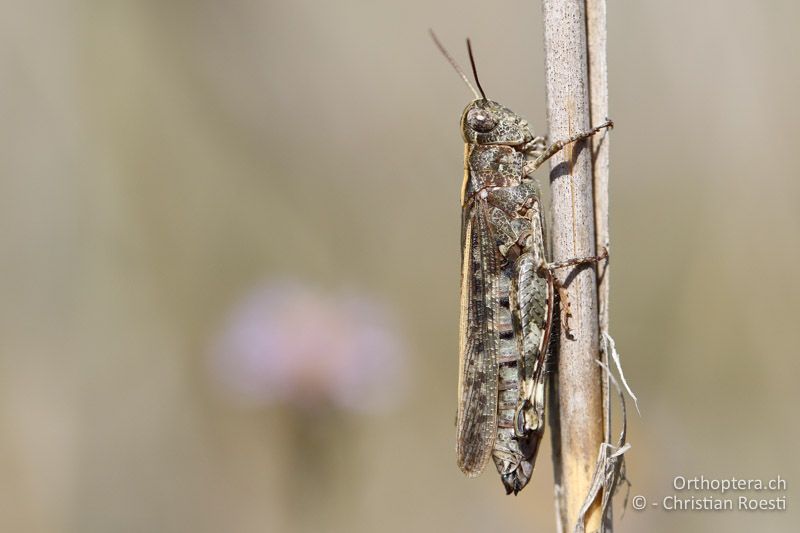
x: 580, y: 395
x: 596, y: 34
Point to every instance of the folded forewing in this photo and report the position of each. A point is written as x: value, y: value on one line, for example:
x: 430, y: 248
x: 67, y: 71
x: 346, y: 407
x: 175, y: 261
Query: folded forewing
x: 479, y: 339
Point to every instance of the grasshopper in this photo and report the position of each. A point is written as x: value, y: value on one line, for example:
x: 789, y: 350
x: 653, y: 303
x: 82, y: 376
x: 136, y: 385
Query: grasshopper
x: 508, y: 289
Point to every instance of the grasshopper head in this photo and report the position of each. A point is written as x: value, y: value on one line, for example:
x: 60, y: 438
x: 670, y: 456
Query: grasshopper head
x: 487, y: 122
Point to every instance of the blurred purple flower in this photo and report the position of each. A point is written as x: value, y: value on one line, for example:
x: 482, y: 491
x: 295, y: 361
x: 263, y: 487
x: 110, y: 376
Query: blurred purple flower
x: 287, y: 343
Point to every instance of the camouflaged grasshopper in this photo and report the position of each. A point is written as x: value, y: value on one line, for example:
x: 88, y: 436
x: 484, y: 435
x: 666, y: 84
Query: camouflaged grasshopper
x: 508, y: 290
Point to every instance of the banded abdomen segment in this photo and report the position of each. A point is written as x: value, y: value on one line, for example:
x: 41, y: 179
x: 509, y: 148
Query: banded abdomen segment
x: 509, y: 454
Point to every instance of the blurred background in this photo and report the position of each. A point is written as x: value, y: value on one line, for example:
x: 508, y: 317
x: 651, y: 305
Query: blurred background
x: 230, y: 274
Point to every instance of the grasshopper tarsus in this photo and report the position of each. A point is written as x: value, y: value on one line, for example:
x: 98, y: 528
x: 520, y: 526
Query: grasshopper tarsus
x: 608, y: 124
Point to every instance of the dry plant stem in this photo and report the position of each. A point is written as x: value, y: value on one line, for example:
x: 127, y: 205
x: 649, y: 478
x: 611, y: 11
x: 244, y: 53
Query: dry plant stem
x: 579, y: 377
x: 596, y: 35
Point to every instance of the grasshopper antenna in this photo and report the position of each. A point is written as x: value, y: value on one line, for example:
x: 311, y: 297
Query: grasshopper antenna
x: 455, y: 65
x: 474, y: 69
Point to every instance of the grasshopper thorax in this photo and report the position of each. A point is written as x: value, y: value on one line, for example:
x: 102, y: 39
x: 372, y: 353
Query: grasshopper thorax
x: 487, y: 122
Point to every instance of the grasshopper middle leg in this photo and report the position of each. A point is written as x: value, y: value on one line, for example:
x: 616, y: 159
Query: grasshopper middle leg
x: 550, y: 268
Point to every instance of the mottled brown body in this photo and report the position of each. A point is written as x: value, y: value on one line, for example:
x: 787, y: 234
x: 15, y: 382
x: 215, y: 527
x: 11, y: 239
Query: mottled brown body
x: 508, y: 293
x: 506, y: 298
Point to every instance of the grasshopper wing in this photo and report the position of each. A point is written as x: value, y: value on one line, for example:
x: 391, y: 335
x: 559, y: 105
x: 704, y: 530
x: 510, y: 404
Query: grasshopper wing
x: 476, y: 422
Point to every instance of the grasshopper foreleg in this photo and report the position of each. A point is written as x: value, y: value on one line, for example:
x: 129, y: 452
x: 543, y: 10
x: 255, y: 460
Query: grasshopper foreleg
x: 557, y: 146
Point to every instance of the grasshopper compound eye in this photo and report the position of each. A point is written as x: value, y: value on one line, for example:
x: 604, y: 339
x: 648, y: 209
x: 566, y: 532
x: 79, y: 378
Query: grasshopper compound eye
x: 480, y: 120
